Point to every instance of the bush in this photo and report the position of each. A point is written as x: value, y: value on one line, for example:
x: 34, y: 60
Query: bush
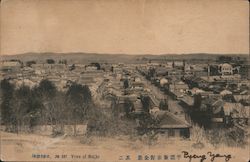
x: 150, y: 138
x: 57, y: 131
x: 198, y: 134
x: 227, y: 137
x: 86, y: 140
x: 102, y: 124
x: 198, y: 145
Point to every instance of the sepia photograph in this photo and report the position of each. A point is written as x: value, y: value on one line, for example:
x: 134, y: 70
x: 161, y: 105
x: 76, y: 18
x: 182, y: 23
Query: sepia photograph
x: 124, y: 81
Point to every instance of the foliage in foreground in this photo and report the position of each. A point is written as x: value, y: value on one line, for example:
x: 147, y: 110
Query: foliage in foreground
x: 43, y: 105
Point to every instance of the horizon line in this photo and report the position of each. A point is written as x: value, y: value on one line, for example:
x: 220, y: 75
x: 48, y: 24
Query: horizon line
x: 138, y: 54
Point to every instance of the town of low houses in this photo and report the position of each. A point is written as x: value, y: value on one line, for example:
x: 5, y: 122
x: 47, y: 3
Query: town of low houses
x: 224, y: 96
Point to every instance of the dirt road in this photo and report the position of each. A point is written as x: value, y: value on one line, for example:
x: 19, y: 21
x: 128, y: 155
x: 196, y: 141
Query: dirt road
x: 31, y: 147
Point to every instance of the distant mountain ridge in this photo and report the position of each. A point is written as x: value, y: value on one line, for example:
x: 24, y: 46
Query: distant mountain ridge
x: 81, y: 57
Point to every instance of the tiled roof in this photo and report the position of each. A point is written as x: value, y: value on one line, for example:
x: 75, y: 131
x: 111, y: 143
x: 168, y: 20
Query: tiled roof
x: 242, y: 97
x: 236, y: 110
x: 217, y: 106
x: 169, y: 120
x: 188, y: 100
x: 225, y: 92
x: 10, y: 63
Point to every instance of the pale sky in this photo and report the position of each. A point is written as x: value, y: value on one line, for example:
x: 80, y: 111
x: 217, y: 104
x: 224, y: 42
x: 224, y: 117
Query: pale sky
x: 125, y: 26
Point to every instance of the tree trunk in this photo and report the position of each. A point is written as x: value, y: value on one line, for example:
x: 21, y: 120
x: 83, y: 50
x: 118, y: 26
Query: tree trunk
x: 62, y: 128
x: 75, y: 129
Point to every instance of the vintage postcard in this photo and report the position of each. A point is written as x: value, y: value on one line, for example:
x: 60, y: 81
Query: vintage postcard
x: 125, y: 80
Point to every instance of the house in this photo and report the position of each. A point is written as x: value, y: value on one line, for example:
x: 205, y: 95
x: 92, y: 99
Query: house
x: 163, y: 81
x: 187, y: 102
x: 202, y: 83
x: 225, y: 92
x: 195, y: 91
x: 161, y: 71
x: 175, y: 73
x: 178, y: 86
x: 236, y: 112
x: 199, y: 82
x: 229, y: 114
x: 117, y: 69
x: 10, y: 66
x: 177, y: 90
x: 218, y: 114
x: 137, y: 85
x: 178, y: 64
x: 90, y: 68
x: 175, y: 108
x: 154, y: 110
x: 137, y: 79
x: 238, y: 98
x: 170, y: 125
x: 198, y: 70
x: 138, y: 106
x: 242, y: 98
x: 225, y: 69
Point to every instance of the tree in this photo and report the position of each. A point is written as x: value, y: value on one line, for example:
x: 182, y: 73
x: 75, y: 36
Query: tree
x: 214, y: 70
x: 125, y: 84
x: 64, y: 61
x: 228, y: 98
x: 163, y: 105
x: 151, y: 72
x: 98, y: 66
x: 128, y: 106
x: 17, y: 60
x: 197, y: 101
x: 46, y: 91
x: 34, y: 109
x: 58, y: 113
x: 114, y: 106
x: 27, y: 108
x: 22, y: 98
x: 50, y: 61
x: 79, y: 94
x: 49, y: 106
x: 79, y: 99
x: 145, y: 100
x: 29, y: 63
x: 19, y: 107
x: 146, y: 121
x: 7, y: 116
x: 72, y: 67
